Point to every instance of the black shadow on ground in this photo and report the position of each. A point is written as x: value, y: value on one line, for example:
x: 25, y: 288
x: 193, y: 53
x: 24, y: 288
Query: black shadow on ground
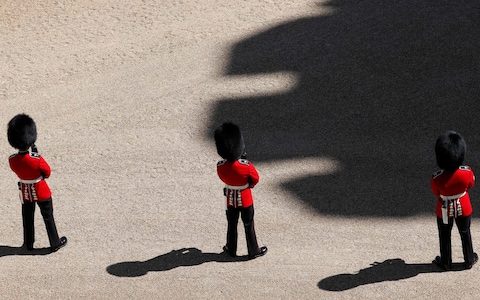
x: 184, y: 257
x: 8, y: 250
x: 389, y: 270
x: 378, y: 81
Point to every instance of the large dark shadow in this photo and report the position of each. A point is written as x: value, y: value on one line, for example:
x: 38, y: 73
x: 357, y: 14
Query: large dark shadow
x: 389, y: 270
x: 378, y: 81
x: 184, y: 257
x: 9, y: 250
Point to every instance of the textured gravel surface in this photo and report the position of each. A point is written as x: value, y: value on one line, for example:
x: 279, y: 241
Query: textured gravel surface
x: 340, y: 102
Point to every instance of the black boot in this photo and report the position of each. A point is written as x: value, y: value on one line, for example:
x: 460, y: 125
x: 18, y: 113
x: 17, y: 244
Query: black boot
x: 62, y: 243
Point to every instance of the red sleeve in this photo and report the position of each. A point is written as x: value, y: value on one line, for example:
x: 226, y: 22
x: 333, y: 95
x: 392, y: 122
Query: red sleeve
x: 254, y: 177
x: 44, y: 168
x: 472, y: 182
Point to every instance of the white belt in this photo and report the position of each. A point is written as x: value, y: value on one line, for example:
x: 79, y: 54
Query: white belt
x: 453, y: 197
x: 31, y: 181
x: 237, y: 187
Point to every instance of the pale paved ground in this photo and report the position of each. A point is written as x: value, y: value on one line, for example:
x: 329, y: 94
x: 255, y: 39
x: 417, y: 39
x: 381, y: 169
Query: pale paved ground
x: 126, y: 94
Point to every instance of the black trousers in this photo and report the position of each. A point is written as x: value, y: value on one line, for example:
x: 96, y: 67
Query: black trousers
x: 28, y: 214
x: 232, y: 233
x: 445, y: 234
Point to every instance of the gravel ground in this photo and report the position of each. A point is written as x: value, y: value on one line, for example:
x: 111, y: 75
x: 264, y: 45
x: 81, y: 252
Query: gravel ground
x: 340, y: 103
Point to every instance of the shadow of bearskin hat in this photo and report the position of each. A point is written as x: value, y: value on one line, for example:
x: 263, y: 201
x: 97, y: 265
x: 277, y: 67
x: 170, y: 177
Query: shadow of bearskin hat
x: 229, y: 141
x: 450, y: 150
x: 22, y: 132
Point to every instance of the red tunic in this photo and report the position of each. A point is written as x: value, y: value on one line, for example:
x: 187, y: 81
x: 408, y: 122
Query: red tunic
x: 239, y: 176
x: 33, y: 168
x: 448, y: 183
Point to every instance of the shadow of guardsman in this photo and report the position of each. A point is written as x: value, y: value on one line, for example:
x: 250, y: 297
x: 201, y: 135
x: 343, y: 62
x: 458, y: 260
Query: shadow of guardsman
x: 185, y: 257
x: 389, y: 270
x: 377, y: 82
x: 8, y: 251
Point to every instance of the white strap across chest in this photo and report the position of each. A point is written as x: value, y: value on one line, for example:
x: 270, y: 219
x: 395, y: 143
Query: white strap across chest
x: 237, y: 187
x: 31, y: 181
x: 452, y: 197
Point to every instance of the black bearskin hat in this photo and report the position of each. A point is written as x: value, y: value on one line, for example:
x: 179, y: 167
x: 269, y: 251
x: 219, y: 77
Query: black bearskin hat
x: 22, y: 132
x: 229, y: 141
x: 450, y: 150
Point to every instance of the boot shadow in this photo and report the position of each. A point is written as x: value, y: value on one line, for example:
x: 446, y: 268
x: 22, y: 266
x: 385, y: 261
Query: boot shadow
x: 184, y: 257
x: 9, y: 250
x: 389, y: 270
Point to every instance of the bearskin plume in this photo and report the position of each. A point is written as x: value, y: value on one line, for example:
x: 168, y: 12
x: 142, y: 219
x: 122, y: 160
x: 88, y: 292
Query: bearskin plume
x: 22, y: 132
x: 229, y: 141
x: 450, y: 150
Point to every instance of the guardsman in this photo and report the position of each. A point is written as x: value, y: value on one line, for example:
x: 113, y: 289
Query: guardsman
x: 450, y: 185
x: 239, y: 176
x: 32, y: 170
